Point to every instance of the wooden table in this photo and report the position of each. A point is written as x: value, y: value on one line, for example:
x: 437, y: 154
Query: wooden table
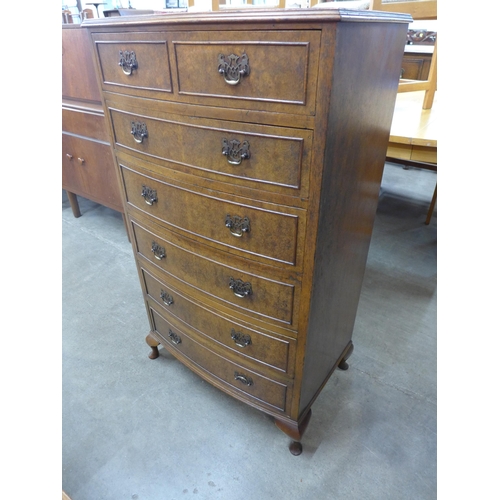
x: 414, y: 130
x: 413, y: 136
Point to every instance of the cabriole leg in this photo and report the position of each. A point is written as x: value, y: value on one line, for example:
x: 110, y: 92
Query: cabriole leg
x: 295, y: 431
x: 153, y: 343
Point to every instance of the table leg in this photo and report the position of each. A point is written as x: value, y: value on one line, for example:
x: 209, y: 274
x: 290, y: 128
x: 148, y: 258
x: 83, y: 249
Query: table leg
x: 432, y: 205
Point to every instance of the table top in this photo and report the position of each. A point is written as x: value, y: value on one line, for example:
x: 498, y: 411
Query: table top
x: 413, y: 125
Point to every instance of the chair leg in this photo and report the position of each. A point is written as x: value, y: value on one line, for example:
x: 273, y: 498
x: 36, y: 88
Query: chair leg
x: 431, y: 207
x: 432, y: 79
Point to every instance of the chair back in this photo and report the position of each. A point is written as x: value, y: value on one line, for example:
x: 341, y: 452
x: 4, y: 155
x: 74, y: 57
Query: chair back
x: 67, y: 18
x: 419, y: 10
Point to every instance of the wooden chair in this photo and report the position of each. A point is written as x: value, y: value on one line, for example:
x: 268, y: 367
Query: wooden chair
x: 418, y: 9
x: 67, y: 18
x: 87, y: 14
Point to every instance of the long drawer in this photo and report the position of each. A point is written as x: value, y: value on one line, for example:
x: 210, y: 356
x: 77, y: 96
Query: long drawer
x: 234, y: 375
x: 246, y: 291
x: 266, y: 70
x: 255, y: 232
x: 271, y: 157
x: 263, y: 348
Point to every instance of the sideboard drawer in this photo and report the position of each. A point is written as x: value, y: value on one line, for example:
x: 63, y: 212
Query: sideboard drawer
x: 238, y: 150
x: 238, y: 287
x: 85, y: 123
x: 248, y: 342
x: 235, y: 375
x: 134, y: 61
x: 266, y: 68
x: 253, y: 231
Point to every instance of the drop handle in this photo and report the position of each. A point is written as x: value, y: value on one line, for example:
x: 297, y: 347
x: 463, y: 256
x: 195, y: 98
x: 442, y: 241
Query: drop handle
x: 243, y: 379
x: 167, y: 299
x: 235, y: 151
x: 127, y: 60
x: 158, y: 251
x: 149, y: 195
x: 237, y: 225
x: 240, y: 288
x: 240, y: 339
x: 139, y: 131
x: 174, y: 337
x: 233, y: 67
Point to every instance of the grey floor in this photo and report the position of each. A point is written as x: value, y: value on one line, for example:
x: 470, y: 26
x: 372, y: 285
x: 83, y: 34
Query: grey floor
x: 137, y: 429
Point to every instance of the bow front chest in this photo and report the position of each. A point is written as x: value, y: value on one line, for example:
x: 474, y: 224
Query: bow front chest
x: 250, y: 147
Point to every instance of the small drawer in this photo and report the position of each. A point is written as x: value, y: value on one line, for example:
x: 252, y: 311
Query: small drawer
x: 240, y: 289
x: 89, y: 124
x: 267, y: 70
x: 254, y: 232
x: 134, y: 61
x: 237, y: 377
x: 268, y: 350
x: 272, y: 157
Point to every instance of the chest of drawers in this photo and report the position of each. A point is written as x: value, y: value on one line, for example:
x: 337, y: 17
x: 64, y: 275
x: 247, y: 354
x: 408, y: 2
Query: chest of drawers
x: 250, y: 148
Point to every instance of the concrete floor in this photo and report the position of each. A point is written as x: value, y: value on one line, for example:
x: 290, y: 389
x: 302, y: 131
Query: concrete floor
x: 136, y: 429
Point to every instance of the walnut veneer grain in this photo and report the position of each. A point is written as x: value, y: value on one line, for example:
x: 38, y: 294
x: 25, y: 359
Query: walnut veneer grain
x: 265, y: 313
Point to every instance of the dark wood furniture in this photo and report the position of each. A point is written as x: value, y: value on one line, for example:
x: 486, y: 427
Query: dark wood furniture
x: 250, y: 147
x: 87, y: 158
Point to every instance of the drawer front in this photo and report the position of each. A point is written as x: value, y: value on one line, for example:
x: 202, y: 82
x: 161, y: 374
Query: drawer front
x: 129, y: 61
x: 85, y: 123
x: 248, y: 342
x: 234, y: 375
x: 266, y: 70
x: 248, y: 68
x: 242, y: 290
x: 253, y: 231
x: 233, y: 150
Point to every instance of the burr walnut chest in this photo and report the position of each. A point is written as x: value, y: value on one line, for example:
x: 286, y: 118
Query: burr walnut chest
x: 250, y: 147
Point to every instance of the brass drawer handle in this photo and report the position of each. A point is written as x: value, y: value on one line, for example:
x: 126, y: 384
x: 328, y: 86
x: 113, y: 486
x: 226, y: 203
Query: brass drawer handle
x: 240, y: 288
x: 235, y: 150
x: 243, y: 379
x: 167, y: 299
x: 158, y: 251
x: 240, y: 339
x: 237, y: 225
x: 174, y: 337
x: 127, y: 61
x: 149, y: 195
x: 233, y: 67
x: 139, y: 131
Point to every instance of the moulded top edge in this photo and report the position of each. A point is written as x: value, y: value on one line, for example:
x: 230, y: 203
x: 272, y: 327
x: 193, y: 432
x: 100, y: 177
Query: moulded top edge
x: 250, y: 15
